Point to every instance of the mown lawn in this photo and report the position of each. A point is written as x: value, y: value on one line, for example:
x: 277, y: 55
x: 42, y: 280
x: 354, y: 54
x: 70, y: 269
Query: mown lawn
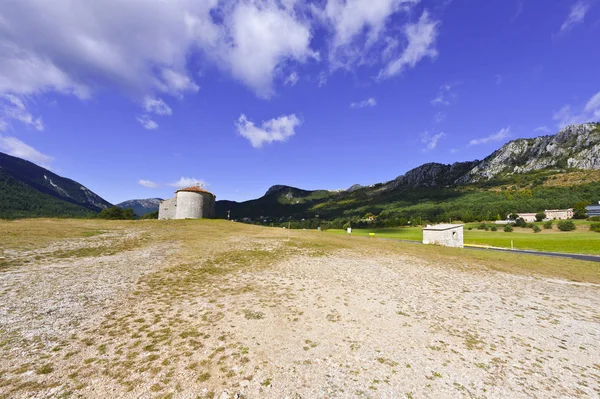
x: 580, y: 241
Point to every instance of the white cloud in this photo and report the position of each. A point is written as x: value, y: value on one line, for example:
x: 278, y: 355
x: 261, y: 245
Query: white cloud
x: 146, y: 122
x: 431, y: 141
x: 590, y: 113
x: 77, y: 48
x: 17, y: 148
x: 156, y: 106
x: 593, y: 106
x: 576, y: 16
x: 352, y: 17
x: 421, y: 38
x: 13, y: 107
x: 501, y: 135
x: 177, y: 83
x: 370, y: 102
x: 292, y: 79
x: 541, y: 129
x: 147, y: 183
x: 276, y: 129
x: 187, y: 182
x: 149, y: 49
x: 263, y: 36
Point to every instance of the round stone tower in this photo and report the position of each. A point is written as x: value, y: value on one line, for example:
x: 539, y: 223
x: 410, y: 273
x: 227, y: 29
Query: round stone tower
x: 194, y: 203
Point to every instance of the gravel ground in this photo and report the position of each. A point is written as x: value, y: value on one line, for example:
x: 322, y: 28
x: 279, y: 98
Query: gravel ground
x: 340, y: 324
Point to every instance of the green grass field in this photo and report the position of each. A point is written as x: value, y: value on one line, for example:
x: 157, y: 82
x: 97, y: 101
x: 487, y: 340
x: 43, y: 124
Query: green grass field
x: 580, y: 241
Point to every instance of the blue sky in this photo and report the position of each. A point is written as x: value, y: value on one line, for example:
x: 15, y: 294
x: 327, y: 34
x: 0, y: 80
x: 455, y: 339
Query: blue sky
x: 134, y: 99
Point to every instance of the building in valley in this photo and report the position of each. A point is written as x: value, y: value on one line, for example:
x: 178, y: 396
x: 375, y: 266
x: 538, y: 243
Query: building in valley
x: 592, y: 210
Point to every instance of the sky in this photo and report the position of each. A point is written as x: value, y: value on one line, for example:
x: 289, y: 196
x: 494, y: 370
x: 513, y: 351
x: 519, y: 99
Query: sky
x: 137, y: 98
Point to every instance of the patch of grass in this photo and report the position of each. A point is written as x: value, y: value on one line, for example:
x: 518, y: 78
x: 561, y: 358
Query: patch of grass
x: 45, y: 369
x: 253, y: 315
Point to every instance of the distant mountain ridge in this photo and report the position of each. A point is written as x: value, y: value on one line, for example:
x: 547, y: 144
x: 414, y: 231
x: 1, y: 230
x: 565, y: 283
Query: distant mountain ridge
x: 575, y: 147
x: 141, y: 207
x: 30, y: 190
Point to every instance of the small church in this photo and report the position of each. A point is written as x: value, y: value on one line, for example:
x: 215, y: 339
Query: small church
x: 189, y: 203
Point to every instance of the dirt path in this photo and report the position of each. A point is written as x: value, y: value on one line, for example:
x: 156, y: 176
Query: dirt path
x: 257, y: 319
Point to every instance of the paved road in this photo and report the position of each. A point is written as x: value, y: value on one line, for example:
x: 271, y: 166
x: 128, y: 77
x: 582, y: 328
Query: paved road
x: 590, y: 258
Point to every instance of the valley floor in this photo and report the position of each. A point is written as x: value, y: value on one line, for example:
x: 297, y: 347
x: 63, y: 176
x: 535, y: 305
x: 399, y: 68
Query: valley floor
x: 193, y: 309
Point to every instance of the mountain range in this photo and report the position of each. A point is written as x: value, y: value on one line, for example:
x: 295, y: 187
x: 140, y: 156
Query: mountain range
x: 28, y: 190
x: 141, y: 207
x: 534, y: 164
x: 528, y: 174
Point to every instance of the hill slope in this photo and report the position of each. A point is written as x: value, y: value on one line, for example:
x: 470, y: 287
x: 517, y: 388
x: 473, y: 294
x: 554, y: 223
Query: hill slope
x: 523, y: 175
x: 28, y: 190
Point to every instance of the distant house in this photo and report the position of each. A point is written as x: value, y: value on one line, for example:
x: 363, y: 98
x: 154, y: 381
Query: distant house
x: 527, y: 216
x: 560, y: 214
x: 447, y: 235
x: 592, y: 210
x: 551, y: 214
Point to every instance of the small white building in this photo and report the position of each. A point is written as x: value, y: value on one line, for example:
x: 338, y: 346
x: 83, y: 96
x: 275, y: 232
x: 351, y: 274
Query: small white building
x: 447, y: 235
x: 529, y: 217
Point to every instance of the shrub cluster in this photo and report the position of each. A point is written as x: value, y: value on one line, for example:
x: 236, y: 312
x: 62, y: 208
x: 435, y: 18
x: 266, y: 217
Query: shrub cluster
x: 116, y: 213
x: 548, y: 224
x: 508, y: 228
x: 595, y: 227
x: 566, y: 225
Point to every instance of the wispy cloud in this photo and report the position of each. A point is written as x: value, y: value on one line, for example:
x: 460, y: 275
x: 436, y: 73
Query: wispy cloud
x: 273, y: 130
x: 156, y: 106
x: 431, y: 140
x: 421, y: 38
x: 541, y: 129
x: 501, y: 135
x: 369, y: 102
x: 576, y: 16
x: 13, y: 107
x: 292, y: 79
x: 15, y: 147
x: 187, y: 182
x: 146, y: 122
x: 445, y: 94
x: 148, y: 183
x: 591, y: 112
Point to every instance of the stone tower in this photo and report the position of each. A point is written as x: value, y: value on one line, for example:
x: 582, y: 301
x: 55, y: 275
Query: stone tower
x: 189, y: 203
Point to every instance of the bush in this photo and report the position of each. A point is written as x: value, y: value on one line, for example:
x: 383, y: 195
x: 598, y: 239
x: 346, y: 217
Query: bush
x: 548, y: 225
x: 469, y: 228
x: 520, y: 222
x: 566, y: 225
x: 151, y: 215
x: 494, y: 228
x: 594, y: 218
x: 508, y: 228
x: 595, y: 227
x: 540, y: 216
x: 530, y: 225
x: 536, y: 229
x: 116, y: 213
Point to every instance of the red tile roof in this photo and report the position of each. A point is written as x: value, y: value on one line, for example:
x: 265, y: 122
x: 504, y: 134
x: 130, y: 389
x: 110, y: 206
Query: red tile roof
x: 195, y: 189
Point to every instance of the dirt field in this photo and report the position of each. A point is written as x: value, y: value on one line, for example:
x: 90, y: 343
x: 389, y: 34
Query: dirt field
x: 200, y: 309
